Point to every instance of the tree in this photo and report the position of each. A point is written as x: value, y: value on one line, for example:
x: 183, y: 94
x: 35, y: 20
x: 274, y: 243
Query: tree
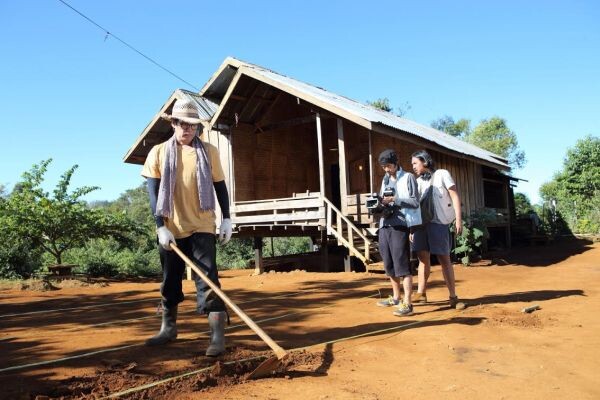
x: 490, y: 134
x: 494, y: 135
x: 459, y: 129
x: 17, y: 257
x: 576, y: 188
x: 384, y: 104
x: 522, y: 204
x: 62, y: 221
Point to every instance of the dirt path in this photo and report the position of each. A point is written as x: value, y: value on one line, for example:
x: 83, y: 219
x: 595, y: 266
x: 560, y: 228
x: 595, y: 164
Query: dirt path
x: 85, y: 341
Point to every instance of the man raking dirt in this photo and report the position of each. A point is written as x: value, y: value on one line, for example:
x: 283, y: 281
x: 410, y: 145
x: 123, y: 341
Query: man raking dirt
x: 181, y: 175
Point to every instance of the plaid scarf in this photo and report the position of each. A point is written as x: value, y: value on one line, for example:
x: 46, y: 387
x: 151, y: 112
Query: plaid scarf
x: 206, y: 199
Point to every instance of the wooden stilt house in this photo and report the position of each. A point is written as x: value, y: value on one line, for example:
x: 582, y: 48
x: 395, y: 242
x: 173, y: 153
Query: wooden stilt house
x: 300, y: 160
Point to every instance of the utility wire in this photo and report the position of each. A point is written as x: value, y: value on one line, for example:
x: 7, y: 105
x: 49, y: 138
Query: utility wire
x: 128, y: 45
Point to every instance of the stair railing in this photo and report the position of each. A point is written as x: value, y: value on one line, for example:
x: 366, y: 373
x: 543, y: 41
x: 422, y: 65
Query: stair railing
x: 354, y: 234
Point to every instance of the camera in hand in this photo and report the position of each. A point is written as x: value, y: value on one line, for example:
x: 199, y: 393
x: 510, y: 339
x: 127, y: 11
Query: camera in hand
x: 389, y: 192
x: 375, y: 205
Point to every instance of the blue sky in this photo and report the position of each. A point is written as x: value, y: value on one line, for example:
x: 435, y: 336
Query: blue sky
x: 72, y: 94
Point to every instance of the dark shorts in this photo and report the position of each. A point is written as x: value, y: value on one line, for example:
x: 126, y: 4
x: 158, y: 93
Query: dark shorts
x: 393, y: 247
x: 434, y: 238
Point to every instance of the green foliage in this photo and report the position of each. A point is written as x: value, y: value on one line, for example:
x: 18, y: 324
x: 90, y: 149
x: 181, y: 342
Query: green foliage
x: 240, y: 251
x: 17, y: 257
x: 490, y: 134
x: 494, y: 135
x: 142, y: 258
x: 522, y: 204
x: 576, y: 188
x: 459, y: 129
x: 474, y: 234
x: 235, y: 254
x: 384, y: 104
x: 33, y: 222
x: 105, y: 257
x: 63, y: 221
x: 286, y: 245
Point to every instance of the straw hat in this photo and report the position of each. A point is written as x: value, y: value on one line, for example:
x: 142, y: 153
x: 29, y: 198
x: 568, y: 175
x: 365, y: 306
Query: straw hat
x: 184, y: 110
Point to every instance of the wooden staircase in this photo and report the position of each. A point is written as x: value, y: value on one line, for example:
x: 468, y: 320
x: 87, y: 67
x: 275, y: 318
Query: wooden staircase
x: 348, y: 234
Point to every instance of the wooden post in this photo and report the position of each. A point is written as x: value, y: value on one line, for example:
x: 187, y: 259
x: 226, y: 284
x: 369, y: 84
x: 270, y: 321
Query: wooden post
x: 321, y: 162
x: 347, y: 266
x: 231, y: 172
x: 343, y: 167
x: 258, y: 258
x: 506, y: 195
x: 370, y: 164
x: 324, y: 252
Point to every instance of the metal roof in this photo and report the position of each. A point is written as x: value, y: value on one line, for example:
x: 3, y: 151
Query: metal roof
x: 367, y: 112
x: 206, y: 108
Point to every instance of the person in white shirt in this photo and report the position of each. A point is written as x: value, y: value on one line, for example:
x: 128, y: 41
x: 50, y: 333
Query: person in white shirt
x: 433, y: 237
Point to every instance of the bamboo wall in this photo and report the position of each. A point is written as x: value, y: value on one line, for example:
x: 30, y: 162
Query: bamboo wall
x: 221, y: 142
x: 274, y: 164
x: 468, y: 177
x: 356, y: 140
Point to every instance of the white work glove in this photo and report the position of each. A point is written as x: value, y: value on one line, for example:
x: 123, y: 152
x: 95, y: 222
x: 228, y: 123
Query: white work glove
x: 225, y: 231
x: 165, y: 237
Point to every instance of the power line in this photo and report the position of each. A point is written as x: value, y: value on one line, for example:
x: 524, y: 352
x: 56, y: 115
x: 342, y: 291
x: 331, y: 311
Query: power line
x: 128, y: 45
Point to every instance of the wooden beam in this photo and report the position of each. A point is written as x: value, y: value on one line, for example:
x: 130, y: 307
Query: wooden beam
x: 321, y: 161
x: 231, y: 170
x: 258, y: 256
x: 249, y: 101
x: 324, y: 252
x: 229, y: 62
x: 271, y: 218
x: 228, y: 94
x: 286, y: 124
x: 370, y: 162
x: 274, y: 101
x: 343, y: 165
x: 300, y: 203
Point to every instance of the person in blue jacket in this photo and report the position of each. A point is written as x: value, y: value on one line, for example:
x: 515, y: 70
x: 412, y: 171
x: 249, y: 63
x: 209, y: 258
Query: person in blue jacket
x: 400, y: 212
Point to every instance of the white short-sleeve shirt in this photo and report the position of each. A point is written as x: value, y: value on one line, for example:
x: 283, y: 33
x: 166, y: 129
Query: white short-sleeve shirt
x: 441, y: 181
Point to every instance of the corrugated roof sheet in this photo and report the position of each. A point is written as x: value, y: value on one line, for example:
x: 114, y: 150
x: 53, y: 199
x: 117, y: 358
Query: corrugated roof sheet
x: 206, y: 108
x: 376, y: 116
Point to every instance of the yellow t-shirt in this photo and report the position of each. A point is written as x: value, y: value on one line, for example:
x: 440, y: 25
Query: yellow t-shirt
x: 188, y: 218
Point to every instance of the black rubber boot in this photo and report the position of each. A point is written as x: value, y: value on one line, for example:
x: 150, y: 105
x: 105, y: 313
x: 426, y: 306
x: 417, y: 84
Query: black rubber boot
x: 216, y: 322
x: 168, y: 328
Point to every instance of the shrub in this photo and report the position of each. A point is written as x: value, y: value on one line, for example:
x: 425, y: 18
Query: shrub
x: 474, y: 234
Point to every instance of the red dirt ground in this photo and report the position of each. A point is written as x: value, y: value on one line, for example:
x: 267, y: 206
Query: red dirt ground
x: 350, y: 349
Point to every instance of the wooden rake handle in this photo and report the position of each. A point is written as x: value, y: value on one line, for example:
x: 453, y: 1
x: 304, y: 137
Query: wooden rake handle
x: 279, y: 351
